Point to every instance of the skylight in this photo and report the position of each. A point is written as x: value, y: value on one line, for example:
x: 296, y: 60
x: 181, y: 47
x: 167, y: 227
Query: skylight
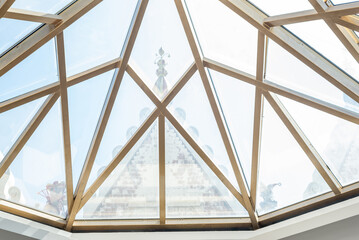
x: 184, y: 114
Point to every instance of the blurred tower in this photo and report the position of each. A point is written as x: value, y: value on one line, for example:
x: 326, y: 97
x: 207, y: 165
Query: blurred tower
x: 161, y: 88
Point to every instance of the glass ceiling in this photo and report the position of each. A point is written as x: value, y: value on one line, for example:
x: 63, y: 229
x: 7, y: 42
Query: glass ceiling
x: 173, y: 110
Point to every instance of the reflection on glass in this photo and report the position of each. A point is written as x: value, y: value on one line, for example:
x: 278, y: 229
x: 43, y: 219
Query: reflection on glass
x: 35, y: 71
x: 237, y: 101
x: 46, y: 6
x: 11, y: 31
x: 286, y: 175
x: 161, y: 53
x: 130, y: 110
x: 286, y: 70
x: 192, y: 109
x: 276, y: 7
x: 319, y: 36
x: 86, y: 100
x: 131, y: 191
x: 336, y: 139
x: 223, y: 35
x: 98, y: 36
x: 36, y: 178
x: 192, y: 189
x: 13, y: 122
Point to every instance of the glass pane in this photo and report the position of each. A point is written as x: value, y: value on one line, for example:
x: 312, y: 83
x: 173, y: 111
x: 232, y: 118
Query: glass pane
x: 36, y: 178
x: 98, y: 36
x: 286, y: 70
x: 282, y: 164
x: 276, y: 7
x: 132, y: 189
x: 336, y: 139
x: 13, y: 122
x: 192, y: 109
x: 46, y: 6
x: 319, y: 36
x: 35, y: 71
x: 161, y: 53
x: 237, y: 101
x: 192, y: 189
x: 11, y: 31
x: 86, y: 100
x: 224, y: 36
x: 130, y: 110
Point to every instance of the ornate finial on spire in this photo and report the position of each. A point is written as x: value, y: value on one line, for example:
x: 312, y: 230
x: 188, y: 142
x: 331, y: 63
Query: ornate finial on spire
x: 160, y: 87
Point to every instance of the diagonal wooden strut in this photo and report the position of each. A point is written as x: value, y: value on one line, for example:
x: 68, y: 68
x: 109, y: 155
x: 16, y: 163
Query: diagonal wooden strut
x: 106, y: 111
x: 216, y: 111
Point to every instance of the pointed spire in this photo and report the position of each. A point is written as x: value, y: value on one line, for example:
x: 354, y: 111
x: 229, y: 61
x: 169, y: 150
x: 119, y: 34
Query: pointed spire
x: 160, y: 88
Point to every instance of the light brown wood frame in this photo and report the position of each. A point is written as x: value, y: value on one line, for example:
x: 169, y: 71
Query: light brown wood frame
x: 188, y: 28
x: 106, y: 111
x: 65, y: 117
x: 351, y: 22
x: 44, y: 34
x: 331, y: 12
x: 296, y: 47
x: 54, y: 87
x: 258, y: 116
x: 293, y: 45
x: 4, y: 6
x: 304, y: 142
x: 341, y: 32
x: 32, y: 16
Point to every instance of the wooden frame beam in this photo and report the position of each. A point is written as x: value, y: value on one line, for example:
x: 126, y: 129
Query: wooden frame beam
x: 44, y: 34
x: 32, y: 214
x: 54, y: 87
x: 286, y: 92
x: 351, y: 22
x: 162, y: 167
x: 258, y: 114
x: 32, y: 16
x: 65, y: 117
x: 171, y: 224
x: 216, y: 111
x: 4, y: 6
x: 27, y: 133
x: 341, y: 32
x: 304, y: 142
x: 106, y: 111
x: 296, y: 47
x: 309, y: 15
x: 161, y: 107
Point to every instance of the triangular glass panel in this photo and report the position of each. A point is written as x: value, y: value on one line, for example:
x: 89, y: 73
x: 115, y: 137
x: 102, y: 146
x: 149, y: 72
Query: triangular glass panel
x: 45, y: 6
x: 130, y: 110
x: 37, y: 70
x: 192, y: 189
x: 161, y: 53
x: 86, y: 100
x: 98, y: 36
x: 132, y: 189
x: 286, y: 70
x: 12, y: 31
x: 336, y: 139
x: 277, y: 7
x: 320, y: 37
x: 192, y: 109
x: 36, y: 178
x: 237, y: 101
x: 212, y: 21
x: 282, y: 164
x: 14, y: 121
